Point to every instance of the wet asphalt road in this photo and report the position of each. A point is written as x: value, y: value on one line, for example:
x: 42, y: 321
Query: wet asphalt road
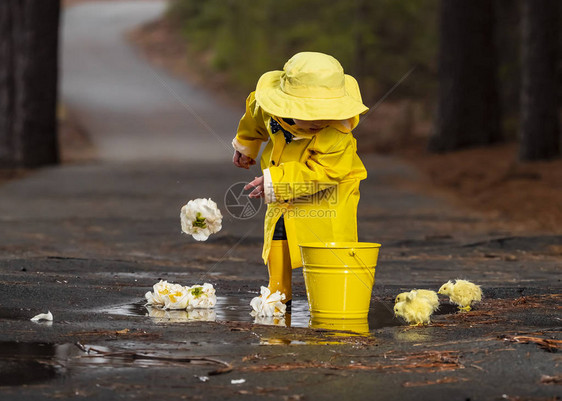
x: 132, y: 110
x: 87, y: 241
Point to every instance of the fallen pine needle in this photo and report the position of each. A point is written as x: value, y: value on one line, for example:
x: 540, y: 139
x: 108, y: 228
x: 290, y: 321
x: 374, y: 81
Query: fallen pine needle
x: 545, y: 379
x: 547, y: 344
x: 430, y: 361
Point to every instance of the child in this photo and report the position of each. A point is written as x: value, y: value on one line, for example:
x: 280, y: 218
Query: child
x: 311, y: 170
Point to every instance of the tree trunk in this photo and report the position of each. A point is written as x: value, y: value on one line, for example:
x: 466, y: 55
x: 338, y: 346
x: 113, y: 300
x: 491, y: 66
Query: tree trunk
x: 468, y: 112
x: 539, y: 128
x: 28, y: 82
x: 6, y: 86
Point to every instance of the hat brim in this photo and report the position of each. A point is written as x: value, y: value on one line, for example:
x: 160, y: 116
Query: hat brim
x: 274, y: 101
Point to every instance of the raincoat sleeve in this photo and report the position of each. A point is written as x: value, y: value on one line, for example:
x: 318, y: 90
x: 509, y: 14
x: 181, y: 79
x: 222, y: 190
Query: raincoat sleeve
x: 251, y: 130
x: 330, y: 160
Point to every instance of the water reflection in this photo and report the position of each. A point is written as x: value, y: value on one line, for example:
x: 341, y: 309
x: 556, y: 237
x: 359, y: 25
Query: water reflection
x: 358, y: 326
x: 25, y: 363
x: 237, y: 309
x: 160, y: 315
x: 283, y: 321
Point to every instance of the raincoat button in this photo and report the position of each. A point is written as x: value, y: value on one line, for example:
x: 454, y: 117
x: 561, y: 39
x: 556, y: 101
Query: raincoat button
x: 272, y: 162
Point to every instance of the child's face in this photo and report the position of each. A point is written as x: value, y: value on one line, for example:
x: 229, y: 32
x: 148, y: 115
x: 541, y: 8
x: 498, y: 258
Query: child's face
x: 311, y: 126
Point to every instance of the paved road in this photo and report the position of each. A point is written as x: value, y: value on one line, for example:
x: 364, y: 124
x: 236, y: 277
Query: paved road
x: 132, y: 110
x: 87, y: 241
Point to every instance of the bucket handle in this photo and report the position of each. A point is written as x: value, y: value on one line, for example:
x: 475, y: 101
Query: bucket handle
x: 352, y: 253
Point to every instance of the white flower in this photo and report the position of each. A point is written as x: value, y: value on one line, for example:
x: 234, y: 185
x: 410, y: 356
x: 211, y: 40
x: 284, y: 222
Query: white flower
x: 160, y: 289
x: 268, y: 304
x: 201, y: 218
x: 202, y: 296
x: 177, y: 297
x: 168, y: 295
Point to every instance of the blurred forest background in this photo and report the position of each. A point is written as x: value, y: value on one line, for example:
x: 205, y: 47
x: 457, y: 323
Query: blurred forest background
x: 468, y: 91
x: 377, y: 41
x: 482, y: 99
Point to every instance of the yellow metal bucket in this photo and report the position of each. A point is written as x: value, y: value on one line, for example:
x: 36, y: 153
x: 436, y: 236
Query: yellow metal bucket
x: 339, y: 278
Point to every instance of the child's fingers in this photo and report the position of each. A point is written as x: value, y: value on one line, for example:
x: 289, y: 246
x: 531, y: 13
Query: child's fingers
x: 257, y: 192
x: 255, y: 183
x: 247, y: 161
x: 236, y: 159
x: 240, y: 160
x: 250, y: 185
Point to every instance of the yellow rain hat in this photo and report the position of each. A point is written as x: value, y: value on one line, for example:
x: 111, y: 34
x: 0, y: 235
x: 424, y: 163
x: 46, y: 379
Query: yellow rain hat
x: 312, y: 86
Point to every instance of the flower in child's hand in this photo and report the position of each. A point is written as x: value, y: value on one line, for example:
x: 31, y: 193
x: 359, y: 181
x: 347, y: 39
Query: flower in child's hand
x: 202, y: 296
x: 201, y: 218
x: 268, y: 304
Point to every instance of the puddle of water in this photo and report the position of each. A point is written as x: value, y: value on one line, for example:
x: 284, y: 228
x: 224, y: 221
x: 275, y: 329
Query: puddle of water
x: 381, y: 314
x: 237, y: 309
x: 29, y: 363
x: 17, y: 370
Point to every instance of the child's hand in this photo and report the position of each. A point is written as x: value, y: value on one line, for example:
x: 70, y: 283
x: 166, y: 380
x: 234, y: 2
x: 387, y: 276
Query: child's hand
x: 242, y: 161
x: 257, y: 184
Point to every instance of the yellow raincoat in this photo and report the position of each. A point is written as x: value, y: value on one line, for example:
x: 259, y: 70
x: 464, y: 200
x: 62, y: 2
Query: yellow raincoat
x: 315, y: 178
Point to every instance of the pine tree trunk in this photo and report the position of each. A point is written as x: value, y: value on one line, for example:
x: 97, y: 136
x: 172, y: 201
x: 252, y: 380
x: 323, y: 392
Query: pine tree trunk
x: 6, y: 87
x: 468, y: 112
x: 36, y: 67
x: 539, y: 128
x: 28, y: 82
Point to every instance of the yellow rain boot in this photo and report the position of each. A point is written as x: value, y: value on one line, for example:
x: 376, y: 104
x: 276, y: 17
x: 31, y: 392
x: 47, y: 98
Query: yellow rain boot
x: 279, y: 267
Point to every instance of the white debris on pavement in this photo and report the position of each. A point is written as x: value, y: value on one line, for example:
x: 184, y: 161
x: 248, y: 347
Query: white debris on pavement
x: 43, y: 316
x: 237, y: 381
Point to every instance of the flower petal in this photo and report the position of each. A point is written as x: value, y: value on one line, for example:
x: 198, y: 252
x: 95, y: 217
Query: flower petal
x: 43, y: 316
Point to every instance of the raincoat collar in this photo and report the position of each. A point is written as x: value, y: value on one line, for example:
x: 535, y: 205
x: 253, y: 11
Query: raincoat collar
x: 344, y: 126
